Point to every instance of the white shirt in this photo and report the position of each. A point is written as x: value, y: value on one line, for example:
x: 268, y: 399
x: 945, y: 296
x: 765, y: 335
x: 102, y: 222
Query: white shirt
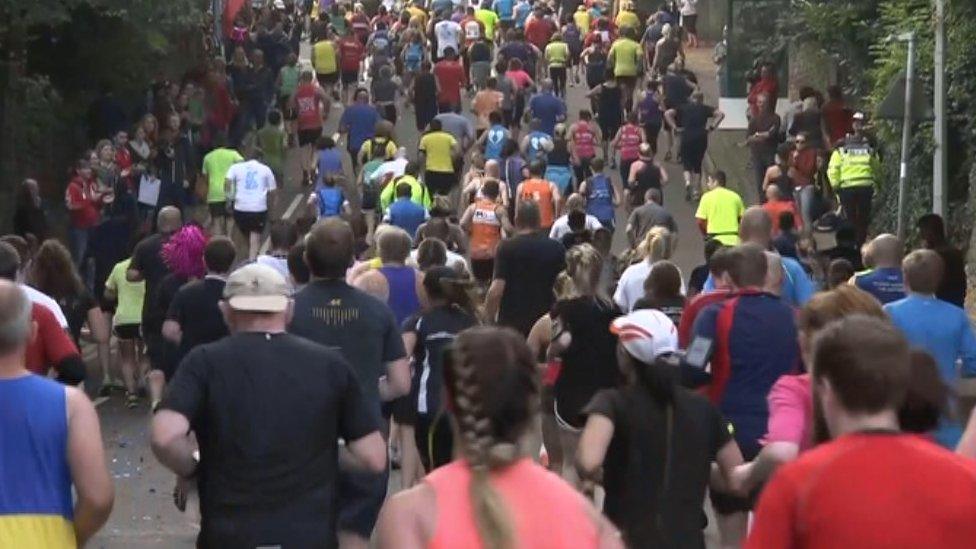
x: 44, y: 300
x: 252, y: 183
x: 395, y: 167
x: 448, y: 36
x: 560, y: 227
x: 630, y: 288
x: 689, y: 7
x: 454, y: 260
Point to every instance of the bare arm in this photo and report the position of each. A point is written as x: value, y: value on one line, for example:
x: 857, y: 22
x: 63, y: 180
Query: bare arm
x: 717, y: 118
x: 593, y: 445
x: 967, y: 444
x: 671, y: 116
x: 465, y: 221
x: 369, y: 452
x: 507, y: 227
x: 86, y: 461
x: 172, y: 443
x: 99, y: 326
x: 401, y: 524
x: 493, y: 298
x: 396, y: 382
x: 172, y: 331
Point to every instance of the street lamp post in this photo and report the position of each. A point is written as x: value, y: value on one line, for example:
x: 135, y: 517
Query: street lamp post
x: 939, y: 124
x: 906, y: 131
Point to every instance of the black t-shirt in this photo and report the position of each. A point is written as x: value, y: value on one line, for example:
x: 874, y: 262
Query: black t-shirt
x: 590, y: 362
x: 693, y: 118
x: 574, y: 238
x: 195, y: 308
x: 357, y: 324
x: 435, y: 330
x: 633, y: 470
x: 676, y: 90
x: 147, y: 260
x: 479, y: 51
x: 75, y: 310
x: 268, y: 410
x: 528, y: 264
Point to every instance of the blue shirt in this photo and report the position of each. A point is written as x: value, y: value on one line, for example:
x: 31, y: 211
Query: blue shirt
x: 406, y: 214
x: 547, y: 108
x: 360, y: 121
x: 504, y: 9
x: 522, y: 12
x: 495, y: 142
x: 797, y: 288
x: 944, y: 331
x: 885, y: 284
x: 599, y: 199
x: 330, y: 162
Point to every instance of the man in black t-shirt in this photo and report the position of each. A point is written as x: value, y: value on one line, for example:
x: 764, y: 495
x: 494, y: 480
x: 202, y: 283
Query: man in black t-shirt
x: 194, y: 316
x: 526, y: 267
x: 331, y: 312
x: 267, y: 409
x: 148, y: 265
x: 654, y: 441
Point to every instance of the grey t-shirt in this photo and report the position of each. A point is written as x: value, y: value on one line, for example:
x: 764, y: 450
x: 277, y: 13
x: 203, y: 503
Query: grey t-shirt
x: 650, y: 215
x: 457, y: 125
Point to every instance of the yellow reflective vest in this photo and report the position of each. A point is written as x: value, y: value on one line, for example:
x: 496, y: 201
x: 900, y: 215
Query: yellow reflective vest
x: 853, y: 164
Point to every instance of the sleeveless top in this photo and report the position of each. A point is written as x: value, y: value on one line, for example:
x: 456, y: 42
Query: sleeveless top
x: 559, y: 155
x: 402, y: 281
x: 536, y: 501
x: 584, y: 141
x: 539, y: 191
x: 535, y: 150
x: 599, y: 198
x: 36, y: 507
x: 495, y: 142
x: 629, y: 142
x: 610, y: 112
x: 486, y: 229
x: 330, y: 201
x: 649, y: 111
x: 307, y: 105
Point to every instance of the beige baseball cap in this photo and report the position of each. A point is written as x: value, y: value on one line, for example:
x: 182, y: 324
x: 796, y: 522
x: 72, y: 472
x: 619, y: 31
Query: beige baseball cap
x: 256, y: 288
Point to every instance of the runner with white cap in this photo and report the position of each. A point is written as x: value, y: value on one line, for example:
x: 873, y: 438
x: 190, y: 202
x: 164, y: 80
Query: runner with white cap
x: 654, y: 440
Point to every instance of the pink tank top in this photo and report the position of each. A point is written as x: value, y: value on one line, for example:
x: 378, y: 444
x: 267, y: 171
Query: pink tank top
x: 544, y: 510
x: 583, y: 141
x: 629, y: 142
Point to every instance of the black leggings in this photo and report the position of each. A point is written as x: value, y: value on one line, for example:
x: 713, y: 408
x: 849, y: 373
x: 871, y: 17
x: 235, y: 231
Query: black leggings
x: 432, y: 433
x: 558, y: 76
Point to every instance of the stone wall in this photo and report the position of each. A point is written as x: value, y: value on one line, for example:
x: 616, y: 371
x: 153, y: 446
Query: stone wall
x: 809, y: 66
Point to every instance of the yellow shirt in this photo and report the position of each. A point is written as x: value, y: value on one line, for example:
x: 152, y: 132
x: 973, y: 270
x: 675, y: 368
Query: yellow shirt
x: 489, y: 19
x: 215, y: 166
x: 420, y: 14
x: 582, y: 20
x: 437, y: 148
x: 324, y: 54
x: 129, y: 295
x: 367, y: 147
x: 721, y: 209
x: 557, y: 54
x: 627, y: 19
x: 626, y: 57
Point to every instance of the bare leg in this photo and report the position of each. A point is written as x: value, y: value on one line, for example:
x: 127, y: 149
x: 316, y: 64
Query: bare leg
x: 253, y: 245
x: 127, y: 363
x: 157, y: 381
x: 370, y: 217
x: 569, y: 440
x: 550, y: 437
x: 732, y: 529
x: 411, y: 469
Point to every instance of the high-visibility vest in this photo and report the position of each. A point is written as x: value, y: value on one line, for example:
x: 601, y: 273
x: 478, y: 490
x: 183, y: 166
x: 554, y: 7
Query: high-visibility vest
x: 853, y: 165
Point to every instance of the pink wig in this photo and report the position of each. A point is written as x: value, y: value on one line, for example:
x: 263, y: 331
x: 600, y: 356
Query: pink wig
x: 183, y: 252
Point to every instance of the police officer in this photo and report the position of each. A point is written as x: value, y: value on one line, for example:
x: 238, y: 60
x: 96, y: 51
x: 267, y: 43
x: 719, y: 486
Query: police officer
x: 853, y: 172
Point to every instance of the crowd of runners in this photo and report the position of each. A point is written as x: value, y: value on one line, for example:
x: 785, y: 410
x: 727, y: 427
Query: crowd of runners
x: 456, y: 308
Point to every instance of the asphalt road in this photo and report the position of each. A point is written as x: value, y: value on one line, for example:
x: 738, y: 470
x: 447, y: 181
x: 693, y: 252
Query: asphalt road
x: 144, y: 515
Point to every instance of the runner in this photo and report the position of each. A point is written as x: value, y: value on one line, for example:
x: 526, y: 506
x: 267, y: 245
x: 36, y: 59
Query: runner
x: 602, y: 195
x: 358, y: 124
x: 626, y: 59
x: 311, y: 106
x: 627, y: 142
x: 486, y: 222
x: 252, y: 186
x: 658, y: 245
x: 351, y: 54
x: 491, y: 470
x: 884, y: 279
x: 645, y: 174
x: 543, y: 193
x: 694, y: 121
x: 451, y: 78
x: 324, y: 61
x: 437, y: 151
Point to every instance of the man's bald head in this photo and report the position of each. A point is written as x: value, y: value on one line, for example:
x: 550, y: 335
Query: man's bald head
x: 329, y: 248
x: 756, y: 226
x: 885, y: 251
x: 169, y: 220
x: 15, y: 318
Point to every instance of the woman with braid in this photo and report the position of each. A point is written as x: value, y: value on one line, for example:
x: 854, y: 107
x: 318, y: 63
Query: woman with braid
x: 492, y: 496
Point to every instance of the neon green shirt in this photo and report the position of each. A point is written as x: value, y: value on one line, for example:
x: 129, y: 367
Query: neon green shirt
x: 626, y: 57
x: 215, y: 166
x: 489, y: 19
x: 130, y: 295
x: 721, y: 209
x: 557, y: 54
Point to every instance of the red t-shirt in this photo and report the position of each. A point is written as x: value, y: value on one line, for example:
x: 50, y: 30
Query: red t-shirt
x: 538, y: 31
x: 351, y: 52
x: 51, y: 345
x: 450, y: 75
x: 840, y: 120
x: 691, y: 311
x: 869, y: 490
x: 82, y: 193
x: 775, y: 208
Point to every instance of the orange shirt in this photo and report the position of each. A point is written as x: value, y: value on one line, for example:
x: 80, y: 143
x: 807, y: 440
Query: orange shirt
x: 540, y: 191
x: 486, y: 229
x: 776, y: 207
x: 485, y: 102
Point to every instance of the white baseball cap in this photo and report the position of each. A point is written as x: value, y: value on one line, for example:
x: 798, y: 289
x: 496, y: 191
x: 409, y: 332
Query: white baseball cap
x: 256, y: 288
x: 646, y: 334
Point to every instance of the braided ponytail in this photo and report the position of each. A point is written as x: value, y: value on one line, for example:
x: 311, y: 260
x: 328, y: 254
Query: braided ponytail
x: 493, y: 388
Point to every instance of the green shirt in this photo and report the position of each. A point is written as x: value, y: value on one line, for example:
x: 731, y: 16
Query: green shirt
x: 271, y: 139
x: 557, y: 54
x: 289, y: 80
x: 418, y: 192
x: 130, y: 295
x: 721, y: 210
x: 215, y: 166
